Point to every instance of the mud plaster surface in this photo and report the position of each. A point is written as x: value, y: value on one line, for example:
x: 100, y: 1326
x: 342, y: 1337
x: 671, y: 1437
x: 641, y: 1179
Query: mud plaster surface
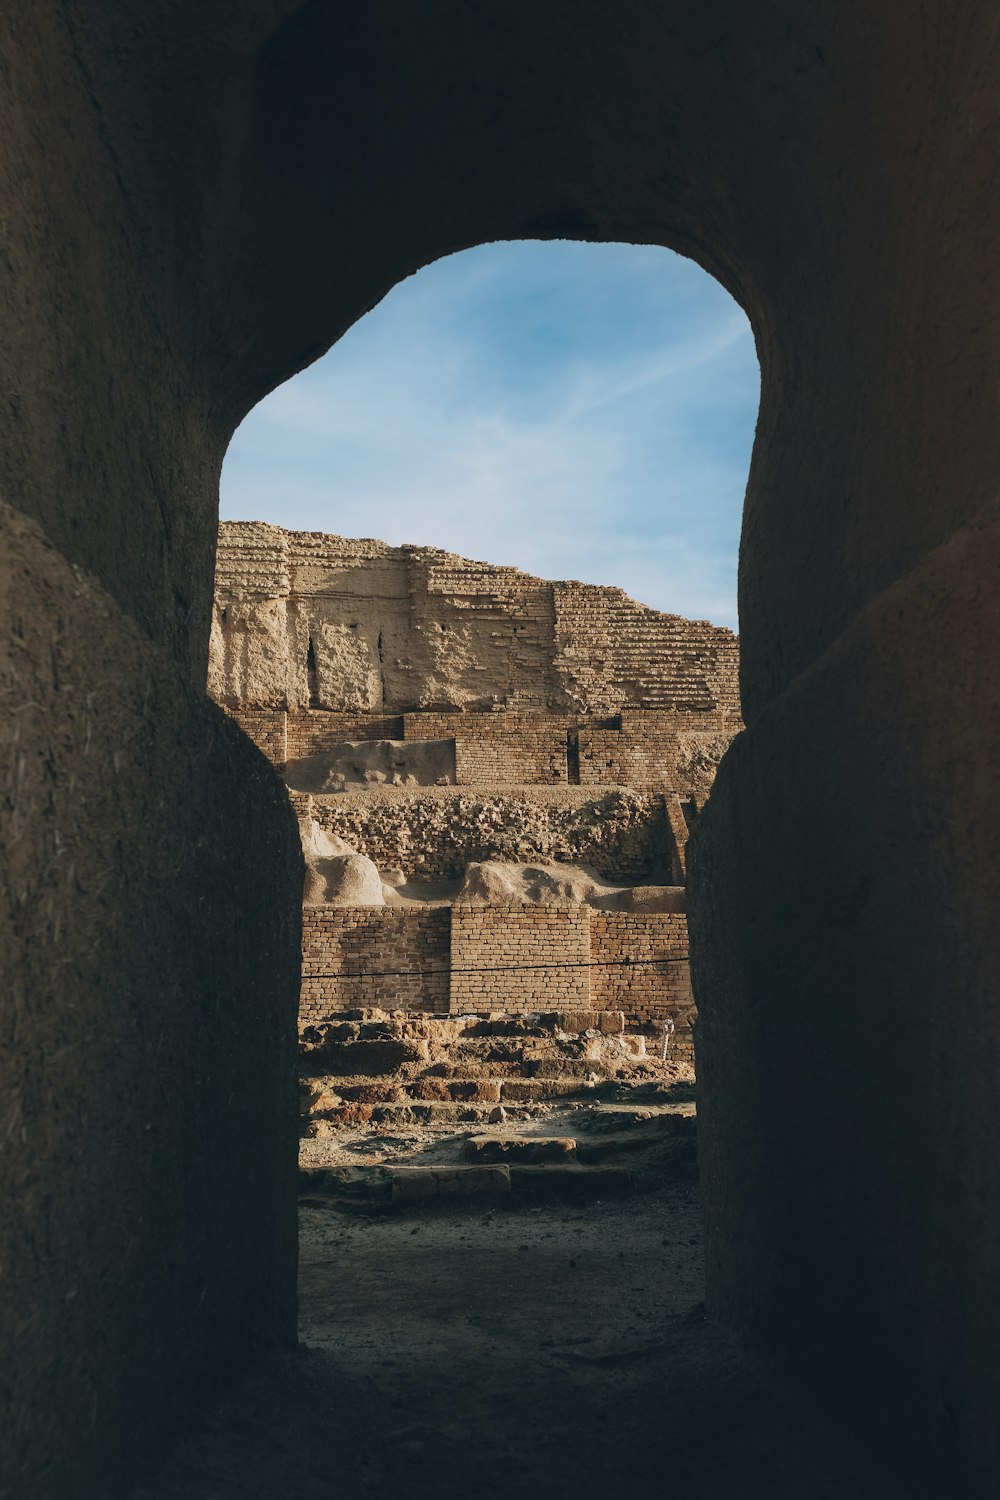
x: 556, y: 1350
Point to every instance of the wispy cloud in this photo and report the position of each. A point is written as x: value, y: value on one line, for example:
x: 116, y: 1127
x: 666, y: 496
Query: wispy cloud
x: 579, y: 411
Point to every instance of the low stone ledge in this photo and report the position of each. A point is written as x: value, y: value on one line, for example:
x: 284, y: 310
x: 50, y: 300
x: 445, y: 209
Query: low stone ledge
x: 413, y: 1184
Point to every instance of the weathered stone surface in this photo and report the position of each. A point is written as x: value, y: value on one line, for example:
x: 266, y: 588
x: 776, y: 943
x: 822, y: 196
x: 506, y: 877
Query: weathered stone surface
x: 374, y: 763
x: 414, y: 1184
x: 374, y: 1057
x: 146, y: 1037
x: 434, y: 834
x: 308, y: 620
x: 555, y: 1181
x: 531, y: 1150
x: 607, y: 1022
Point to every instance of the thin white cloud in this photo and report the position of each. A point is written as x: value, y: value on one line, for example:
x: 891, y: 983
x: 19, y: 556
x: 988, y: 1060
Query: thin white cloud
x: 430, y: 423
x: 683, y: 361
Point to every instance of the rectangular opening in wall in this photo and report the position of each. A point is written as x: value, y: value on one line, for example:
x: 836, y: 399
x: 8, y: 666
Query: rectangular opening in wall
x: 573, y: 756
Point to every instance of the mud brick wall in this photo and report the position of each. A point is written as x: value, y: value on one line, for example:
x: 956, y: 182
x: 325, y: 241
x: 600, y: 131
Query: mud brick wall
x: 500, y: 749
x: 611, y: 650
x: 315, y: 731
x: 266, y: 727
x: 306, y: 619
x: 646, y: 992
x: 371, y: 940
x: 505, y: 941
x: 679, y: 749
x: 469, y: 958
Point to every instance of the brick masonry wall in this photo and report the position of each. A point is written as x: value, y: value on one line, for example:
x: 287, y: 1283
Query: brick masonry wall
x: 396, y: 628
x: 266, y: 727
x: 315, y: 731
x: 646, y: 992
x: 498, y: 958
x: 371, y: 940
x: 612, y: 650
x: 500, y: 749
x: 676, y: 749
x: 506, y: 941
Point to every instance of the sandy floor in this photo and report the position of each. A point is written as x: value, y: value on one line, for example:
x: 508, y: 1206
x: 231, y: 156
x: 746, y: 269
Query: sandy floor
x: 555, y: 1351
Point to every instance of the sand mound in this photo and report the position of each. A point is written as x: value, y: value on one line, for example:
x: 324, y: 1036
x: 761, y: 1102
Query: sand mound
x: 374, y: 763
x: 554, y: 884
x: 336, y: 874
x: 549, y: 884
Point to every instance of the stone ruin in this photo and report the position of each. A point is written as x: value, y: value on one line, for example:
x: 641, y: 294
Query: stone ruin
x: 197, y: 201
x: 494, y: 777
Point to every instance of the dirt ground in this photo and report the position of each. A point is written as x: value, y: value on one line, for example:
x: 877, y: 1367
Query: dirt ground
x: 556, y: 1350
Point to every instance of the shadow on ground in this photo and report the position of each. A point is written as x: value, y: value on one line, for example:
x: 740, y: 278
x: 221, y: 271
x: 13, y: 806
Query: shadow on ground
x: 551, y: 1351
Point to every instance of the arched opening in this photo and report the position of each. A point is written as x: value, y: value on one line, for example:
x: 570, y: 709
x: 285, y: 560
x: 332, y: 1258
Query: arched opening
x: 187, y: 231
x: 430, y: 1075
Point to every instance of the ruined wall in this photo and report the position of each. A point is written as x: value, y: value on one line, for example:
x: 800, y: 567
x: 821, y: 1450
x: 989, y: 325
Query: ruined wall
x: 519, y: 958
x: 611, y: 650
x: 498, y: 957
x: 370, y: 940
x: 626, y: 948
x: 638, y: 748
x: 433, y: 833
x: 267, y: 729
x: 305, y: 620
x: 311, y: 731
x: 500, y: 749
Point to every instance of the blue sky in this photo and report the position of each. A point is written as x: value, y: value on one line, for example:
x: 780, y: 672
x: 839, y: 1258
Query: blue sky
x: 580, y: 411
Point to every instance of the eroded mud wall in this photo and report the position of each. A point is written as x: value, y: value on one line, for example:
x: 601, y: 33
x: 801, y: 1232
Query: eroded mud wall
x: 149, y: 864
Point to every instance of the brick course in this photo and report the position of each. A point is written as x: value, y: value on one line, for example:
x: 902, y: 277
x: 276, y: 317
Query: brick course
x: 646, y: 992
x: 506, y: 948
x: 513, y: 958
x: 372, y: 940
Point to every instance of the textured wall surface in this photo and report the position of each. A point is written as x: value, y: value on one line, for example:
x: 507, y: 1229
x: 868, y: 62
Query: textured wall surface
x: 627, y: 948
x: 308, y: 620
x: 519, y: 958
x: 401, y: 955
x: 433, y: 833
x: 401, y: 959
x: 147, y: 967
x: 673, y: 747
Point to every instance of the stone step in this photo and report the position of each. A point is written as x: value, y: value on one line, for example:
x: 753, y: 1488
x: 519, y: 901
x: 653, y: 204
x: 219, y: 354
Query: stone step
x: 373, y: 1058
x: 530, y: 1150
x: 351, y: 1115
x: 418, y: 1184
x: 405, y: 1186
x: 330, y: 1093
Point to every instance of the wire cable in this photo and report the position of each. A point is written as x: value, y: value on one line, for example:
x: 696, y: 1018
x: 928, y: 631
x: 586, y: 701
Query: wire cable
x: 597, y: 963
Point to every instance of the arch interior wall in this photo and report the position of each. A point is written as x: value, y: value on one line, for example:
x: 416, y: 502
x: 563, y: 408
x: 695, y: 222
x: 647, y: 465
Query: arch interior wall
x: 196, y: 202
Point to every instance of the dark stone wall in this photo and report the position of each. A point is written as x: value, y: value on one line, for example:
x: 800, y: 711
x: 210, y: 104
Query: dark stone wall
x: 195, y: 201
x: 147, y: 960
x: 847, y: 974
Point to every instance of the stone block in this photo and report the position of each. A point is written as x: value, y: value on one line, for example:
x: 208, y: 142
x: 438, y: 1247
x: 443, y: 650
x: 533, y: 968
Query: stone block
x: 475, y: 1090
x: 520, y: 1089
x: 416, y: 1184
x: 532, y: 1150
x: 372, y: 1057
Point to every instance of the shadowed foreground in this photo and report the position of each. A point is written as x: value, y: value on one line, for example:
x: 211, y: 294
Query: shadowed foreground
x: 559, y: 1350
